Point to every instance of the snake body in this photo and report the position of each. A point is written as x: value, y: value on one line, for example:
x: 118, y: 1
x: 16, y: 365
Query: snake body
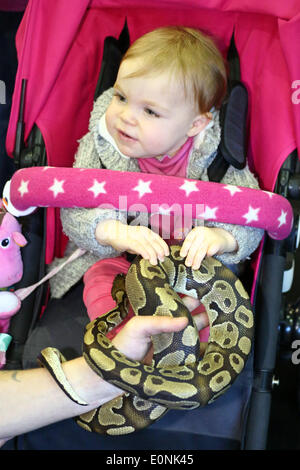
x: 177, y: 378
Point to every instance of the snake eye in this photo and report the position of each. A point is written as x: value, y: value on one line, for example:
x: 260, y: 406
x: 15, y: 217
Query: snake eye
x: 5, y: 242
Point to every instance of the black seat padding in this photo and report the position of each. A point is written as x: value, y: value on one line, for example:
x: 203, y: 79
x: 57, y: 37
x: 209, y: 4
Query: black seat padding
x: 233, y: 121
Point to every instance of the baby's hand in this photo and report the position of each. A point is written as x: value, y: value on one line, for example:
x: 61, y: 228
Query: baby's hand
x: 206, y: 241
x: 134, y: 239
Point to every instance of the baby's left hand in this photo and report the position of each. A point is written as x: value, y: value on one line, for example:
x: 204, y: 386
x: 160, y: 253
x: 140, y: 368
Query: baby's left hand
x: 206, y: 241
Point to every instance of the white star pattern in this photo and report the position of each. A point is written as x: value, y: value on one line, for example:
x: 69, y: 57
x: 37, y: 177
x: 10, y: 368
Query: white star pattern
x: 189, y: 187
x: 97, y: 188
x: 268, y: 210
x: 252, y: 214
x: 232, y: 189
x: 142, y: 188
x: 282, y: 218
x: 23, y: 188
x: 209, y: 213
x: 57, y: 187
x: 164, y: 210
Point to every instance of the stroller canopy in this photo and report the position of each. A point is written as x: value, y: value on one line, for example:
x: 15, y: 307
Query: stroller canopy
x: 266, y: 37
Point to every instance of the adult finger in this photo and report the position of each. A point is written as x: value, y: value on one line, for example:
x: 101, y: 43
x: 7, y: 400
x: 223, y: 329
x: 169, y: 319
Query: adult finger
x: 149, y: 325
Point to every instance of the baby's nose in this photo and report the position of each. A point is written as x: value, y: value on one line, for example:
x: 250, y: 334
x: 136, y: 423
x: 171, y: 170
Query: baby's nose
x: 128, y: 116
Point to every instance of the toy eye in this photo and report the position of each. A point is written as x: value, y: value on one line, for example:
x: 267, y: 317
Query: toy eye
x: 5, y: 243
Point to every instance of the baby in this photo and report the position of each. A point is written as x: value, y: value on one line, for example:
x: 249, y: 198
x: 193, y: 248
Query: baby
x: 160, y: 117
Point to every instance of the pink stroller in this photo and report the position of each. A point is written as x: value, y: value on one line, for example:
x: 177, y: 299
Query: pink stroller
x: 66, y: 56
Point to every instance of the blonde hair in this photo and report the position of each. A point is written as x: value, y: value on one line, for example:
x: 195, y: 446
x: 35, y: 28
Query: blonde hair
x: 188, y: 54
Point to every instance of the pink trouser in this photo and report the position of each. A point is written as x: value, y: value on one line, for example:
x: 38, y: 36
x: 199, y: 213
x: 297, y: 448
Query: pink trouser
x: 98, y: 281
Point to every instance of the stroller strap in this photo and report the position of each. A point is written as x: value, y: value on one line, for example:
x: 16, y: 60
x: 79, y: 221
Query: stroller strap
x: 24, y: 292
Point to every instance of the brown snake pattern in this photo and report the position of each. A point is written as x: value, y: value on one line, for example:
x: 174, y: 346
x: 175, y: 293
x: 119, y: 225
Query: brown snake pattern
x: 178, y: 377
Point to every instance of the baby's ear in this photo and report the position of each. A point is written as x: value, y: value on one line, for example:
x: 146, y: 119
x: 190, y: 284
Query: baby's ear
x: 199, y: 123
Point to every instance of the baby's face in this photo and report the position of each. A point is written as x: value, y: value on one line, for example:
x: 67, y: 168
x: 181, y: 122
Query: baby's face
x: 149, y: 116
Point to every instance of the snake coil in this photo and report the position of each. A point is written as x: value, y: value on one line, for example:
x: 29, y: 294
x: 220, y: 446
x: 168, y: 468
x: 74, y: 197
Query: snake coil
x: 177, y: 378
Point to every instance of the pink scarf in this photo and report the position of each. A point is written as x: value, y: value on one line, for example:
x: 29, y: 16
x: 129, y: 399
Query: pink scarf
x: 174, y: 166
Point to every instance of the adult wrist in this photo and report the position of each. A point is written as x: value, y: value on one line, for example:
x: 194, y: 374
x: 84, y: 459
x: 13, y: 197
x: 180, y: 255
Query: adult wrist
x: 89, y: 386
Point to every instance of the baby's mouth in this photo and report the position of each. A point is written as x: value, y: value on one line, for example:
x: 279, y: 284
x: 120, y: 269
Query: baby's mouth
x: 125, y: 136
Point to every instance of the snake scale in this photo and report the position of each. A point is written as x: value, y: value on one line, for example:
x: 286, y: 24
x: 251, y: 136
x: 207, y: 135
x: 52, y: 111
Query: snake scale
x: 178, y: 377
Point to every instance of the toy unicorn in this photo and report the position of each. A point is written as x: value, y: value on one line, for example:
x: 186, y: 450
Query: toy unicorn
x: 11, y: 272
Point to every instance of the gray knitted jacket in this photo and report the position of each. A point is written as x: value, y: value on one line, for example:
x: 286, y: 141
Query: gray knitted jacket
x: 80, y: 224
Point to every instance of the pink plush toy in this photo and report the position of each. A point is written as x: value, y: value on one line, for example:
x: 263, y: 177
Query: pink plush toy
x: 11, y: 272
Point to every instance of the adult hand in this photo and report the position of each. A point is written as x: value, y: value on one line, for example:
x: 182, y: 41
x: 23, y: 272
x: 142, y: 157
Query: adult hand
x: 134, y: 340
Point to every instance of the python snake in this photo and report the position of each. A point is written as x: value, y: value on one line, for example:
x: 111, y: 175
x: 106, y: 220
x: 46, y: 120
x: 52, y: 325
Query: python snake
x: 177, y: 378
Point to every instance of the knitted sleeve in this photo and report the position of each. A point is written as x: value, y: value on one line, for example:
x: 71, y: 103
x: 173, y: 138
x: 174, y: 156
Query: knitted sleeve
x: 248, y: 238
x: 80, y: 224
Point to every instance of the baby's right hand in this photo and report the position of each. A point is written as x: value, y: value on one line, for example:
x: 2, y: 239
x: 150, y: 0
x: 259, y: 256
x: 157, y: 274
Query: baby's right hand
x: 132, y: 238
